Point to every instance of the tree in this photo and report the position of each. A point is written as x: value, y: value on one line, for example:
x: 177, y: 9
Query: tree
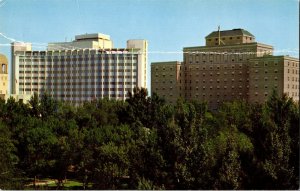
x: 271, y: 167
x: 8, y: 160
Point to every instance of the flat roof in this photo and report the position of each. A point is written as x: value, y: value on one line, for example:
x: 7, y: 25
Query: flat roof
x: 92, y: 36
x: 167, y: 62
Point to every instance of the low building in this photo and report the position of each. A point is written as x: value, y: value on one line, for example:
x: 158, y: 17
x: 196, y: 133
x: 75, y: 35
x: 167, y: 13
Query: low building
x: 3, y: 77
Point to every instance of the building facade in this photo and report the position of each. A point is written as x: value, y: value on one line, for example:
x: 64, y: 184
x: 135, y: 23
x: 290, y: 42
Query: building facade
x: 166, y: 79
x: 85, y: 69
x: 3, y: 77
x: 232, y: 66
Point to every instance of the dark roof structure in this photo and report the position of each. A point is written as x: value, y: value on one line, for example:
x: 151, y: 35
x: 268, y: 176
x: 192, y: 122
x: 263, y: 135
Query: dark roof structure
x: 233, y: 32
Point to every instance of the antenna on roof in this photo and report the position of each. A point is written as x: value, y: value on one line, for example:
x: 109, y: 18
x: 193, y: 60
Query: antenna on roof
x: 219, y: 35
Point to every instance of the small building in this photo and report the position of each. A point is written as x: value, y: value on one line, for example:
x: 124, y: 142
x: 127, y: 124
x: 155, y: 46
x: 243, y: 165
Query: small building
x: 3, y: 77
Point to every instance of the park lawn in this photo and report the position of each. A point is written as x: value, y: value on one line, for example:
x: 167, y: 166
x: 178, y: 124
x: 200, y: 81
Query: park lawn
x: 69, y: 185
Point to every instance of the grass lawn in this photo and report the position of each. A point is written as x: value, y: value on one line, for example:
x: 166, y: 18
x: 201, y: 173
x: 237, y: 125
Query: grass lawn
x: 51, y: 185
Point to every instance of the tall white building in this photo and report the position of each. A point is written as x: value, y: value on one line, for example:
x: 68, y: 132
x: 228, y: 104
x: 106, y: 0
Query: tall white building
x: 87, y: 68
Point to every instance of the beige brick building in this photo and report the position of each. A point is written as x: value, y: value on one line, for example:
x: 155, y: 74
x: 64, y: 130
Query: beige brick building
x: 3, y: 77
x: 167, y: 79
x: 231, y: 66
x: 273, y: 72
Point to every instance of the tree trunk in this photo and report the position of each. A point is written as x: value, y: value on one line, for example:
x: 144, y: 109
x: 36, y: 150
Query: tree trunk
x: 34, y: 182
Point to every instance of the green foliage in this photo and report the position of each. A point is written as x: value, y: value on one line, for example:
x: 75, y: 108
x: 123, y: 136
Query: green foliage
x: 144, y: 143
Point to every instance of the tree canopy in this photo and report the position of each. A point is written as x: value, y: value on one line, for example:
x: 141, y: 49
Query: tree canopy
x: 145, y: 143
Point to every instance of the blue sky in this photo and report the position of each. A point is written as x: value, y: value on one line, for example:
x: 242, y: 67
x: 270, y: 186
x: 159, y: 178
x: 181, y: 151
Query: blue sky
x: 168, y: 25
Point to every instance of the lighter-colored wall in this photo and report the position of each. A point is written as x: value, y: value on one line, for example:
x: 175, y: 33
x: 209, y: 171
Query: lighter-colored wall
x: 16, y: 46
x: 93, y: 41
x: 76, y: 76
x: 93, y: 44
x: 142, y: 48
x: 291, y: 77
x: 3, y: 76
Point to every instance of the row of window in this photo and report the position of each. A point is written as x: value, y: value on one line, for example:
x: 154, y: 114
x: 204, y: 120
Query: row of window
x: 204, y: 81
x: 231, y: 38
x: 77, y: 91
x: 292, y: 71
x: 293, y: 86
x: 293, y: 94
x: 293, y: 64
x: 266, y: 64
x: 93, y: 56
x: 204, y: 74
x: 293, y: 79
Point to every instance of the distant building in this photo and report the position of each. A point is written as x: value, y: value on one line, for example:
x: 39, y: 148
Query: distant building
x: 3, y: 77
x: 85, y: 69
x: 166, y: 79
x: 231, y: 66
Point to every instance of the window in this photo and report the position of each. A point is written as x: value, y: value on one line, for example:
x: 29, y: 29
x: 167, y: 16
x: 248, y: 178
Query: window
x: 3, y: 68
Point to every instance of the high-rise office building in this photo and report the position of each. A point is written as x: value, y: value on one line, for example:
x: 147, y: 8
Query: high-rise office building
x: 87, y: 68
x: 231, y: 66
x: 3, y: 77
